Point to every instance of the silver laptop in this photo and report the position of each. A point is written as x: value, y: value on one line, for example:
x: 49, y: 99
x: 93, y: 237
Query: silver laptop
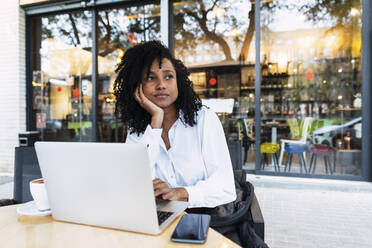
x: 104, y: 184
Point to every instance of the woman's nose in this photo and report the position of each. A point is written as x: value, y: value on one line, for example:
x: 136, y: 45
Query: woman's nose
x: 160, y: 84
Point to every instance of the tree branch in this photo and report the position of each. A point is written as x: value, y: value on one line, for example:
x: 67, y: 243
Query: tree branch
x: 211, y: 35
x: 108, y: 27
x: 76, y: 33
x: 213, y: 5
x: 243, y: 56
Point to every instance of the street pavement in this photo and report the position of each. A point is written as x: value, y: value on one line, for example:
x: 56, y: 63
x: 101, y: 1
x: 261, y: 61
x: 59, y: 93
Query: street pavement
x: 6, y: 186
x: 314, y: 212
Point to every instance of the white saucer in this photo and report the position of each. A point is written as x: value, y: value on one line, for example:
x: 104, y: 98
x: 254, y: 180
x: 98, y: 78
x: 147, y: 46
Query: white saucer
x: 29, y: 208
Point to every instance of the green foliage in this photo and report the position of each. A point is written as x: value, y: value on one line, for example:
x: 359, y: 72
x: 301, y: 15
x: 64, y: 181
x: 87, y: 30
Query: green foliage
x: 323, y: 10
x: 195, y: 22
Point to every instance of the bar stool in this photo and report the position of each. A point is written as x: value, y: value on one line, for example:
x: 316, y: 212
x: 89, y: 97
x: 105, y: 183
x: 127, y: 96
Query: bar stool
x: 270, y: 148
x: 325, y: 151
x: 298, y: 149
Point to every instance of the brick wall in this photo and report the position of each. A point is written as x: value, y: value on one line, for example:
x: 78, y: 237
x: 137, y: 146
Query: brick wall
x: 12, y: 81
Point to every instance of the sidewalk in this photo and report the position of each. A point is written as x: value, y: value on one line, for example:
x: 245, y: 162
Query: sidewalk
x: 314, y: 212
x: 6, y: 186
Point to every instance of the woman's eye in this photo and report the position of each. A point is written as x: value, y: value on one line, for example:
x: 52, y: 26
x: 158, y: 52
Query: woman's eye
x: 150, y: 78
x: 168, y: 77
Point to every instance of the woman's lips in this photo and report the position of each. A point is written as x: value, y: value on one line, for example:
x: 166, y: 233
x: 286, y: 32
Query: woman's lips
x: 161, y: 96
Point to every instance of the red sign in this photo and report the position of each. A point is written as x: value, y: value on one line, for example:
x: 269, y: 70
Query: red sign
x: 76, y: 92
x: 212, y: 81
x: 309, y: 75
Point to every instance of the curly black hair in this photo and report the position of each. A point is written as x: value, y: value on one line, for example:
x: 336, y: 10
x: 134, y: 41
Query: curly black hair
x: 129, y: 71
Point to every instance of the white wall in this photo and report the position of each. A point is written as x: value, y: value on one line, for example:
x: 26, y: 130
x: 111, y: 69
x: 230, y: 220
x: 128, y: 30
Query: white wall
x: 12, y: 81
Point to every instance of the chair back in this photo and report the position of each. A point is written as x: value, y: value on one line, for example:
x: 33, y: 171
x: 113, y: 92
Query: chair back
x: 248, y: 126
x: 294, y: 128
x: 305, y: 128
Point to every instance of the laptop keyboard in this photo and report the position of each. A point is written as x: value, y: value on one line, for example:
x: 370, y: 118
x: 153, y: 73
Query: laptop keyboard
x: 163, y: 215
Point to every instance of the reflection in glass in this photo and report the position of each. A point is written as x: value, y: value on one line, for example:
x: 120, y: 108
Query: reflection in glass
x: 214, y: 39
x: 118, y: 30
x: 213, y: 31
x: 311, y: 86
x: 310, y: 78
x: 62, y: 68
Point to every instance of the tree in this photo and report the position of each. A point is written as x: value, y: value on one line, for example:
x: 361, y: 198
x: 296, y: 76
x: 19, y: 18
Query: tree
x: 66, y: 27
x: 215, y: 19
x: 201, y: 18
x: 144, y: 22
x: 113, y: 33
x: 344, y: 17
x: 200, y: 21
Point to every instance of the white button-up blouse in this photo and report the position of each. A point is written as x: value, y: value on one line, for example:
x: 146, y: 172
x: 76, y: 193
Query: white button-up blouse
x: 197, y: 160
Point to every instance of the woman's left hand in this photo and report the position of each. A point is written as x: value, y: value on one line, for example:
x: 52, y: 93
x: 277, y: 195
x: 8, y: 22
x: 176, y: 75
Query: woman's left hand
x: 175, y: 194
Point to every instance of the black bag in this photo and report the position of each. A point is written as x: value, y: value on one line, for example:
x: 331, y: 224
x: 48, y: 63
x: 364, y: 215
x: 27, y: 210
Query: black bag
x: 233, y: 220
x: 6, y: 202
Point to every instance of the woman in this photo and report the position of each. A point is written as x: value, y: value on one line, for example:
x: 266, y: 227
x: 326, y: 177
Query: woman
x: 187, y: 148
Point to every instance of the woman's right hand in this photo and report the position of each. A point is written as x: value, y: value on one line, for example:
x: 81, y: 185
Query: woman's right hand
x: 157, y: 113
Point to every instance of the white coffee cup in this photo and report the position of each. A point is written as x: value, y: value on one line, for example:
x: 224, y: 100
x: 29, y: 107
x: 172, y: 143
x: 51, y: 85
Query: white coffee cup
x: 38, y: 192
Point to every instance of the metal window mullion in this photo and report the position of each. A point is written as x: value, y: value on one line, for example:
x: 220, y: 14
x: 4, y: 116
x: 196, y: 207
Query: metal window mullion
x: 94, y: 75
x: 170, y: 26
x: 257, y: 84
x: 30, y: 120
x: 166, y: 23
x: 366, y: 90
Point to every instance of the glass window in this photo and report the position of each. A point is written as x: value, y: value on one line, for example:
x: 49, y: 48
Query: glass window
x: 218, y: 37
x: 199, y: 83
x: 310, y: 81
x: 62, y: 71
x: 119, y: 29
x: 213, y: 28
x: 310, y: 75
x: 311, y: 102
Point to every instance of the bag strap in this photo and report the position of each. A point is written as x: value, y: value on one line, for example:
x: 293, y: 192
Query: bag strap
x: 240, y: 176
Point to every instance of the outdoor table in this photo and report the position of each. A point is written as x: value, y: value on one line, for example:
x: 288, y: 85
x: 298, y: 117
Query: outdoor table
x: 20, y: 231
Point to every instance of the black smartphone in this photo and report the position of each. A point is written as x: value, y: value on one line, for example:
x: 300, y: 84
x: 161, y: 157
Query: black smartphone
x: 192, y: 228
